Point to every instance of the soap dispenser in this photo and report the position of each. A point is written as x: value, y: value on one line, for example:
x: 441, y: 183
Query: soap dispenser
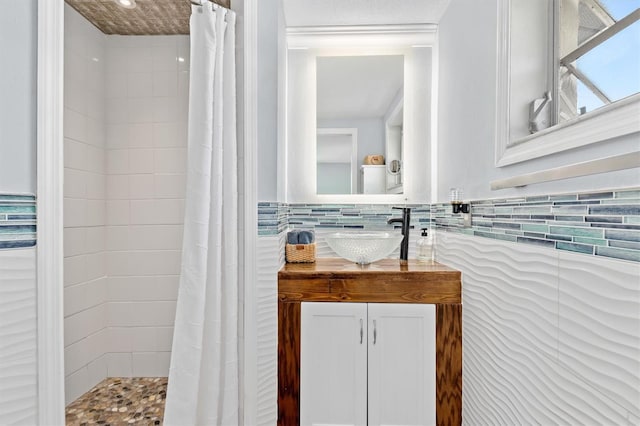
x: 425, y: 247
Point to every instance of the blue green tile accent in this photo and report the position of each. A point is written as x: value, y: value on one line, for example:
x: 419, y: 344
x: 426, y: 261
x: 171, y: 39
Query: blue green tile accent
x: 578, y: 248
x: 592, y: 241
x: 608, y: 221
x: 602, y: 223
x: 624, y: 254
x: 616, y: 234
x: 17, y: 221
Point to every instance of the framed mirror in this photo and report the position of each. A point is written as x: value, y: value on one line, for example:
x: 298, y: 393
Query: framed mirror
x: 359, y: 114
x: 359, y: 119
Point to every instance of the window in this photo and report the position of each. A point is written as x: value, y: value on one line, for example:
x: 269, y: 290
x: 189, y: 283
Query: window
x: 567, y: 75
x: 598, y: 54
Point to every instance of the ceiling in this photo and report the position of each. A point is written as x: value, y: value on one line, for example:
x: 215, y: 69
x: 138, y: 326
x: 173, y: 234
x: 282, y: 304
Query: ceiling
x: 150, y: 17
x: 353, y: 87
x: 304, y: 13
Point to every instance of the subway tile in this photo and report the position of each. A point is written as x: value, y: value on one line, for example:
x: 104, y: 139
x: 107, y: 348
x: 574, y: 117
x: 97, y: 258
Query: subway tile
x: 117, y: 161
x: 119, y: 364
x: 139, y: 84
x: 632, y: 193
x: 604, y: 219
x: 170, y: 185
x: 633, y: 245
x: 618, y: 253
x: 140, y: 59
x: 578, y: 248
x: 591, y: 241
x: 141, y: 186
x: 75, y: 154
x: 622, y: 210
x: 117, y: 136
x: 169, y: 135
x: 118, y: 212
x: 165, y: 109
x: 74, y: 241
x: 595, y: 196
x: 164, y: 58
x: 140, y: 110
x: 165, y: 84
x: 96, y: 212
x: 139, y: 135
x: 558, y: 237
x: 614, y: 234
x: 577, y: 231
x: 141, y: 161
x: 170, y: 160
x: 616, y: 226
x: 535, y: 241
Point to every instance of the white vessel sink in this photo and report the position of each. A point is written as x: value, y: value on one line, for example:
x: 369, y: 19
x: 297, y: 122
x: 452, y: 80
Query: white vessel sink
x: 364, y: 247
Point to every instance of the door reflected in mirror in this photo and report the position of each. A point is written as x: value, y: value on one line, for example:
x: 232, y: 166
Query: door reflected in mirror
x: 359, y: 123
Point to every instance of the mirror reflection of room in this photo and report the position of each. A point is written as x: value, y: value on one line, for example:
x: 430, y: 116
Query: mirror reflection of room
x: 359, y: 124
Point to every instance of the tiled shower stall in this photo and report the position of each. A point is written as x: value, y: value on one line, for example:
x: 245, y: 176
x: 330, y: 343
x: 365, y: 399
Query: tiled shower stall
x: 126, y: 100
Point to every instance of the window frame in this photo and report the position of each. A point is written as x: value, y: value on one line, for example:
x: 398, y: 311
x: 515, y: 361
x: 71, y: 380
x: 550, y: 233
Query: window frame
x: 617, y: 119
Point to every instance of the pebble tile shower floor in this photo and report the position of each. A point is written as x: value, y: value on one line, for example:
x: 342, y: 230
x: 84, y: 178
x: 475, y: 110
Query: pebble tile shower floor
x: 120, y: 401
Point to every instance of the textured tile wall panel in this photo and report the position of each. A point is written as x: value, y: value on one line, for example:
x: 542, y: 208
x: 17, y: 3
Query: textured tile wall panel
x: 270, y: 258
x: 599, y: 325
x: 18, y: 368
x: 512, y: 322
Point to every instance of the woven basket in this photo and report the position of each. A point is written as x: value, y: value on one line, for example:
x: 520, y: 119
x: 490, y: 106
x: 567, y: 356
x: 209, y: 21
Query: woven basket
x: 301, y: 253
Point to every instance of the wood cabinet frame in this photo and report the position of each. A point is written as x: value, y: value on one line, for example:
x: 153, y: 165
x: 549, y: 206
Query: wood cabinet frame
x: 335, y: 280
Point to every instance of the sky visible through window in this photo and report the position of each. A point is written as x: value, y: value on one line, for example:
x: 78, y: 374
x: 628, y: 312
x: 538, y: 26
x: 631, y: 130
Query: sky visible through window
x: 613, y: 66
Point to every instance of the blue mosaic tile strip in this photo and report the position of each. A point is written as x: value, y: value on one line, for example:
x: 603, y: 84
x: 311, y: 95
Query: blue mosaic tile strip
x: 17, y: 221
x: 604, y: 223
x: 354, y: 216
x: 274, y: 218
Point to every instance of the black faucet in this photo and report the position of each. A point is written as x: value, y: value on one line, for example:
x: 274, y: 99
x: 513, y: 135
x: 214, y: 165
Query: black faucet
x: 406, y: 223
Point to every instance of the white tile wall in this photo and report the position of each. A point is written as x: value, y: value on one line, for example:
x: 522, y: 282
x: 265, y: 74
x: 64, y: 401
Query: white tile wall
x: 549, y: 337
x: 145, y: 185
x: 85, y: 281
x: 125, y: 163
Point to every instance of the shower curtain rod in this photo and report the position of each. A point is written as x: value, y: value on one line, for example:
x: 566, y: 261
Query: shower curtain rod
x: 215, y: 3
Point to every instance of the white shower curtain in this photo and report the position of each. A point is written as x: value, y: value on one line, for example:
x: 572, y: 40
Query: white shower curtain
x: 203, y: 377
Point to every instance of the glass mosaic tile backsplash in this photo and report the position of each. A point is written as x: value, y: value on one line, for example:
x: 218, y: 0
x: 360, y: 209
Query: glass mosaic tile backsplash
x: 273, y: 218
x: 603, y: 223
x: 17, y: 221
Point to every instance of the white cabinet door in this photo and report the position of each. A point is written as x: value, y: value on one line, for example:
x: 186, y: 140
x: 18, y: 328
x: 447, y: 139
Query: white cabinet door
x: 402, y: 364
x: 333, y: 358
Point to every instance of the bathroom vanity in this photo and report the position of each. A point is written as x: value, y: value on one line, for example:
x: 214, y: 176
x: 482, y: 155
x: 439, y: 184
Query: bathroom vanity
x: 374, y: 344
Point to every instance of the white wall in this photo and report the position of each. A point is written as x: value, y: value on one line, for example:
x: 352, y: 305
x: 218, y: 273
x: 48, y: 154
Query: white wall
x: 18, y: 23
x: 268, y: 100
x: 549, y: 337
x: 85, y: 282
x: 466, y: 111
x: 146, y: 115
x: 18, y: 344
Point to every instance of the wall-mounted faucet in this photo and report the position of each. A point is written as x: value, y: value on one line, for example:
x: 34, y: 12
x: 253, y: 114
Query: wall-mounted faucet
x: 406, y: 224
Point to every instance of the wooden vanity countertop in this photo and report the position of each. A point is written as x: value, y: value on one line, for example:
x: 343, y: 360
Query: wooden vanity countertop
x: 335, y: 279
